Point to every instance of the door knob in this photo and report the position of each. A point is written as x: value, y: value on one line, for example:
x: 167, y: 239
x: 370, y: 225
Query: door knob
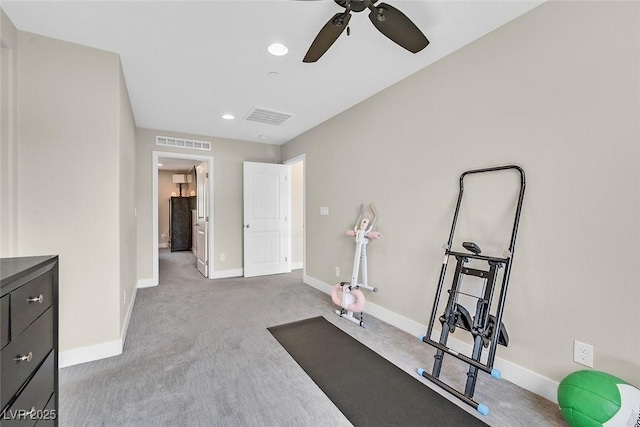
x: 247, y: 225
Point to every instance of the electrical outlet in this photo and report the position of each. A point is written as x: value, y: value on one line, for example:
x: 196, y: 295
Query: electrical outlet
x: 583, y: 353
x: 337, y: 271
x: 222, y: 257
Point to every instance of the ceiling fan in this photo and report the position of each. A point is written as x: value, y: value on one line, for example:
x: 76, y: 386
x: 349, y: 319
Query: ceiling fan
x: 386, y: 18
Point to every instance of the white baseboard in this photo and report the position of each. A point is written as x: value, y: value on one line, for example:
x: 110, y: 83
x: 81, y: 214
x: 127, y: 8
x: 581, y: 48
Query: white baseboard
x: 146, y: 283
x: 223, y: 274
x: 90, y: 353
x: 163, y: 245
x: 511, y: 372
x: 297, y: 265
x: 98, y: 351
x: 317, y: 284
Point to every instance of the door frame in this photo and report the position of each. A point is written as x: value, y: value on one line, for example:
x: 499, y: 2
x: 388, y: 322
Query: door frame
x: 154, y: 179
x: 299, y: 158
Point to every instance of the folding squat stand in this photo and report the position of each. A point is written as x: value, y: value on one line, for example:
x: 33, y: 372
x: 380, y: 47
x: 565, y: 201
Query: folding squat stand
x: 487, y: 329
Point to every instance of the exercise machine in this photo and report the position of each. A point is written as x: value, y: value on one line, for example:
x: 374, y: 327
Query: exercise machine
x: 487, y: 329
x: 348, y: 295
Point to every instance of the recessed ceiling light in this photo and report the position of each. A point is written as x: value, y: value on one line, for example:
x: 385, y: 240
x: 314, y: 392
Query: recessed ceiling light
x: 160, y: 164
x: 228, y: 116
x: 278, y: 49
x: 273, y: 74
x: 264, y: 137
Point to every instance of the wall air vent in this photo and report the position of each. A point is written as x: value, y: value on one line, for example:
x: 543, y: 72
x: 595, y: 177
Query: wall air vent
x: 270, y: 117
x: 166, y: 141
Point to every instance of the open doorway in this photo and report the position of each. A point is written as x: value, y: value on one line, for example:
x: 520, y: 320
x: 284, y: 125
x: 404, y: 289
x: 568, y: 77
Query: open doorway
x: 183, y: 208
x: 177, y: 202
x: 297, y: 211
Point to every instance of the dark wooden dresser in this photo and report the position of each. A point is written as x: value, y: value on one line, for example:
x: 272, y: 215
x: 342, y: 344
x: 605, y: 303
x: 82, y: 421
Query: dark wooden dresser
x: 29, y: 341
x: 180, y: 224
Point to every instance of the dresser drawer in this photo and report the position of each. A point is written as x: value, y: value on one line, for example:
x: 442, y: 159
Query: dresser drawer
x: 30, y: 301
x: 34, y: 397
x: 4, y: 321
x: 50, y: 414
x: 36, y: 340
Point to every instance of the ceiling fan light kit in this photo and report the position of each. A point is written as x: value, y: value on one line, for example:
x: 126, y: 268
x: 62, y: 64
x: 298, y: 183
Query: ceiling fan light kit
x: 392, y: 23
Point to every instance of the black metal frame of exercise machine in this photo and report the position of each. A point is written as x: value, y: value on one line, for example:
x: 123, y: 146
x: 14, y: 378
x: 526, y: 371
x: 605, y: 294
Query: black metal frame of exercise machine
x: 483, y: 325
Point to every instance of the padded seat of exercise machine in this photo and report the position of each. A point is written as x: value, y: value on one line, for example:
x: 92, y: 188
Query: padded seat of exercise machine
x: 503, y: 336
x: 464, y: 320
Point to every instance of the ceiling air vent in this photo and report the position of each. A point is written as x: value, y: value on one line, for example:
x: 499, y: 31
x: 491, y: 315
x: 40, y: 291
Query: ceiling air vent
x: 183, y: 143
x: 268, y: 116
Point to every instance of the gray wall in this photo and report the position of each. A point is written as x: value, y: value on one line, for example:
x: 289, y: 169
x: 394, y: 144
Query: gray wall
x: 75, y: 172
x: 8, y: 137
x: 555, y: 91
x: 127, y: 199
x: 228, y: 157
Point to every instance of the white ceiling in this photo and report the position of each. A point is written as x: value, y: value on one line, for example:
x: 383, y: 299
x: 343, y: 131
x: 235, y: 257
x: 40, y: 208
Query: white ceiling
x: 188, y: 62
x: 176, y: 165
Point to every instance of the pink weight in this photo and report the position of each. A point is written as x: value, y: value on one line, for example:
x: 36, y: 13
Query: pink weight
x: 334, y: 294
x: 374, y: 235
x: 359, y: 305
x: 351, y: 233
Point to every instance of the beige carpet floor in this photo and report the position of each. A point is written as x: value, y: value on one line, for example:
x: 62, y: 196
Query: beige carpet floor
x: 198, y: 353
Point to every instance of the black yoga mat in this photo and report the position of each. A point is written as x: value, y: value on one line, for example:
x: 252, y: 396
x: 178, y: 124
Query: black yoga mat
x: 367, y: 388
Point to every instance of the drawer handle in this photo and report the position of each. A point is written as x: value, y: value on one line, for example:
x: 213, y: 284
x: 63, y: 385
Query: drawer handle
x: 26, y: 358
x: 35, y: 299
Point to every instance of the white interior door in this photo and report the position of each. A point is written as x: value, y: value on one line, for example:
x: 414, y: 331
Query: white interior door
x: 266, y: 231
x: 202, y: 218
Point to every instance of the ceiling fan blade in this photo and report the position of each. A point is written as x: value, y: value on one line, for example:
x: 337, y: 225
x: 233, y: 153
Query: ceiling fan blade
x: 397, y: 27
x: 327, y: 35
